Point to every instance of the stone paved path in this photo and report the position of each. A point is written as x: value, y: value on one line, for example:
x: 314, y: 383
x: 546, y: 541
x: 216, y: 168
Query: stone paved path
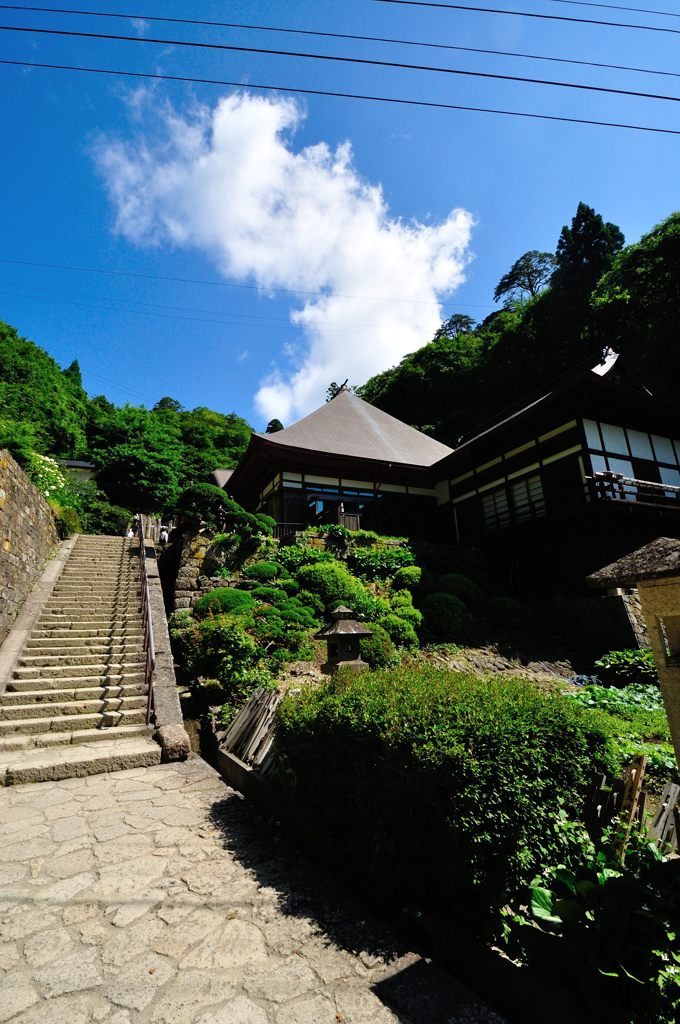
x: 157, y: 894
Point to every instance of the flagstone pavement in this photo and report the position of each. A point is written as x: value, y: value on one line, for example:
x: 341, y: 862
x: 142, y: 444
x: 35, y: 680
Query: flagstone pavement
x: 158, y: 894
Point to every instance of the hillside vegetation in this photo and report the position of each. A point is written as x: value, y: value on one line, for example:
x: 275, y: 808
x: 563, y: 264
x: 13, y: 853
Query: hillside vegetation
x: 558, y: 309
x: 144, y: 457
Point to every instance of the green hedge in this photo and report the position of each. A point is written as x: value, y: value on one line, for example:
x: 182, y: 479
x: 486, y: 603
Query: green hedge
x: 223, y: 599
x: 441, y: 787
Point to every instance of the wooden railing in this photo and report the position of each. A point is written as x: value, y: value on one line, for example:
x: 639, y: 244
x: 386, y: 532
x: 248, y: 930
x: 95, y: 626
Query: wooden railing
x: 287, y: 529
x: 615, y: 487
x: 147, y: 621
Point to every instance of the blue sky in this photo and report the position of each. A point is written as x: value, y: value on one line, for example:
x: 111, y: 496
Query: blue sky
x: 87, y: 161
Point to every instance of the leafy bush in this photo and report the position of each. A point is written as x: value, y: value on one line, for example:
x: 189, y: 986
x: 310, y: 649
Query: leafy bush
x: 466, y: 778
x: 262, y: 571
x: 446, y: 618
x: 223, y: 599
x: 407, y: 578
x: 610, y: 931
x: 313, y: 602
x: 378, y: 650
x: 67, y: 520
x: 620, y: 668
x: 337, y: 537
x: 469, y: 592
x: 400, y: 632
x: 293, y: 556
x: 378, y: 563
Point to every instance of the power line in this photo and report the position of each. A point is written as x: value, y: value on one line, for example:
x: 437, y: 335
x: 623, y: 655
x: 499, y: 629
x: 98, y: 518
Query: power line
x: 398, y: 100
x: 343, y: 60
x: 220, y: 284
x: 530, y: 14
x: 118, y: 306
x: 617, y: 7
x: 354, y: 37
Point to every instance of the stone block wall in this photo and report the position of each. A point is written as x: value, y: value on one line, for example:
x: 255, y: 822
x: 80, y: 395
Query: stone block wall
x: 28, y: 536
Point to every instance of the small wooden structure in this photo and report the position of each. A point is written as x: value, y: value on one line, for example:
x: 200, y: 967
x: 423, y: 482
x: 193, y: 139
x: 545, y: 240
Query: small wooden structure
x: 342, y: 635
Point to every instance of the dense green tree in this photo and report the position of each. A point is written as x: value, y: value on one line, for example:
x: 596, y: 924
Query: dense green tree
x: 636, y: 307
x: 167, y: 403
x: 585, y: 251
x: 526, y: 277
x: 274, y: 426
x: 457, y: 323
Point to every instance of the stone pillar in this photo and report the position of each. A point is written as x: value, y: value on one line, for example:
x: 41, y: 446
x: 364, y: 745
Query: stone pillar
x: 660, y: 600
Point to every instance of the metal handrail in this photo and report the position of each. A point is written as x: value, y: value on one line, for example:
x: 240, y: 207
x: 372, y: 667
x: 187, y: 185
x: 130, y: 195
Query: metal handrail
x: 147, y: 622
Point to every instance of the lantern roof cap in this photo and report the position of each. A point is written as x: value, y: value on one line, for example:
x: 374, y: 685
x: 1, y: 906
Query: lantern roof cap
x: 343, y: 623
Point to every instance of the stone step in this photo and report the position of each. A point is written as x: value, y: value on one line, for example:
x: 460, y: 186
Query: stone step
x: 69, y: 723
x: 77, y: 635
x: 68, y: 670
x: 63, y: 739
x: 75, y: 682
x: 120, y: 621
x: 16, y: 698
x: 106, y: 587
x: 85, y: 657
x: 85, y: 645
x: 55, y: 708
x: 52, y: 764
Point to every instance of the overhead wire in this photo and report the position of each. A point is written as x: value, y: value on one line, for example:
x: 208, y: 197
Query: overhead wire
x: 352, y: 36
x: 529, y: 14
x: 335, y: 58
x: 218, y: 284
x: 298, y: 90
x: 617, y: 7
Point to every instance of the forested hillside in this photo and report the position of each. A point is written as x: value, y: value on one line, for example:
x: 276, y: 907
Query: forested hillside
x: 144, y: 457
x: 558, y: 309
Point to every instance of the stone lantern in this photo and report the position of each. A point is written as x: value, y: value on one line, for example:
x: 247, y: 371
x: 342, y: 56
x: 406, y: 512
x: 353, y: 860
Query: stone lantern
x: 655, y: 570
x: 342, y: 635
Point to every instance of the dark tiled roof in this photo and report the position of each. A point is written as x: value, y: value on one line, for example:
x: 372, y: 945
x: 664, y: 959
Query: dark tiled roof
x: 658, y: 559
x: 349, y: 426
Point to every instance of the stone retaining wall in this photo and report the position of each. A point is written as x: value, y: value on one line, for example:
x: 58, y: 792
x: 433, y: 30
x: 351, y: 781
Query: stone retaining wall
x: 28, y: 536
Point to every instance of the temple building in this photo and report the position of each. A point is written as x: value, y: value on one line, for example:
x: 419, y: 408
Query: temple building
x: 348, y: 462
x: 572, y: 477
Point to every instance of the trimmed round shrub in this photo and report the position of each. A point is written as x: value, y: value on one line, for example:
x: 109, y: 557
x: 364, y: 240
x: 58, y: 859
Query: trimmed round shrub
x: 407, y: 578
x: 203, y: 504
x: 270, y: 595
x: 313, y: 602
x: 469, y: 592
x: 400, y: 632
x: 332, y: 581
x: 378, y: 650
x: 262, y: 571
x: 509, y: 613
x: 446, y: 618
x: 290, y: 585
x: 224, y: 599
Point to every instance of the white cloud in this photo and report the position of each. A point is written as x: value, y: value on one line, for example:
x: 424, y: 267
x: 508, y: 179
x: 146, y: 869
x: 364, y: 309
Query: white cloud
x: 229, y: 182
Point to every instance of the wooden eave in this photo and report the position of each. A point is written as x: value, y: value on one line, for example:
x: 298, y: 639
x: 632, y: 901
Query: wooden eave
x: 263, y: 459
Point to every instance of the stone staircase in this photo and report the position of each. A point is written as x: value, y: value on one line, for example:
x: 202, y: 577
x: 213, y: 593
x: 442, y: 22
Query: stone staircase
x: 76, y: 702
